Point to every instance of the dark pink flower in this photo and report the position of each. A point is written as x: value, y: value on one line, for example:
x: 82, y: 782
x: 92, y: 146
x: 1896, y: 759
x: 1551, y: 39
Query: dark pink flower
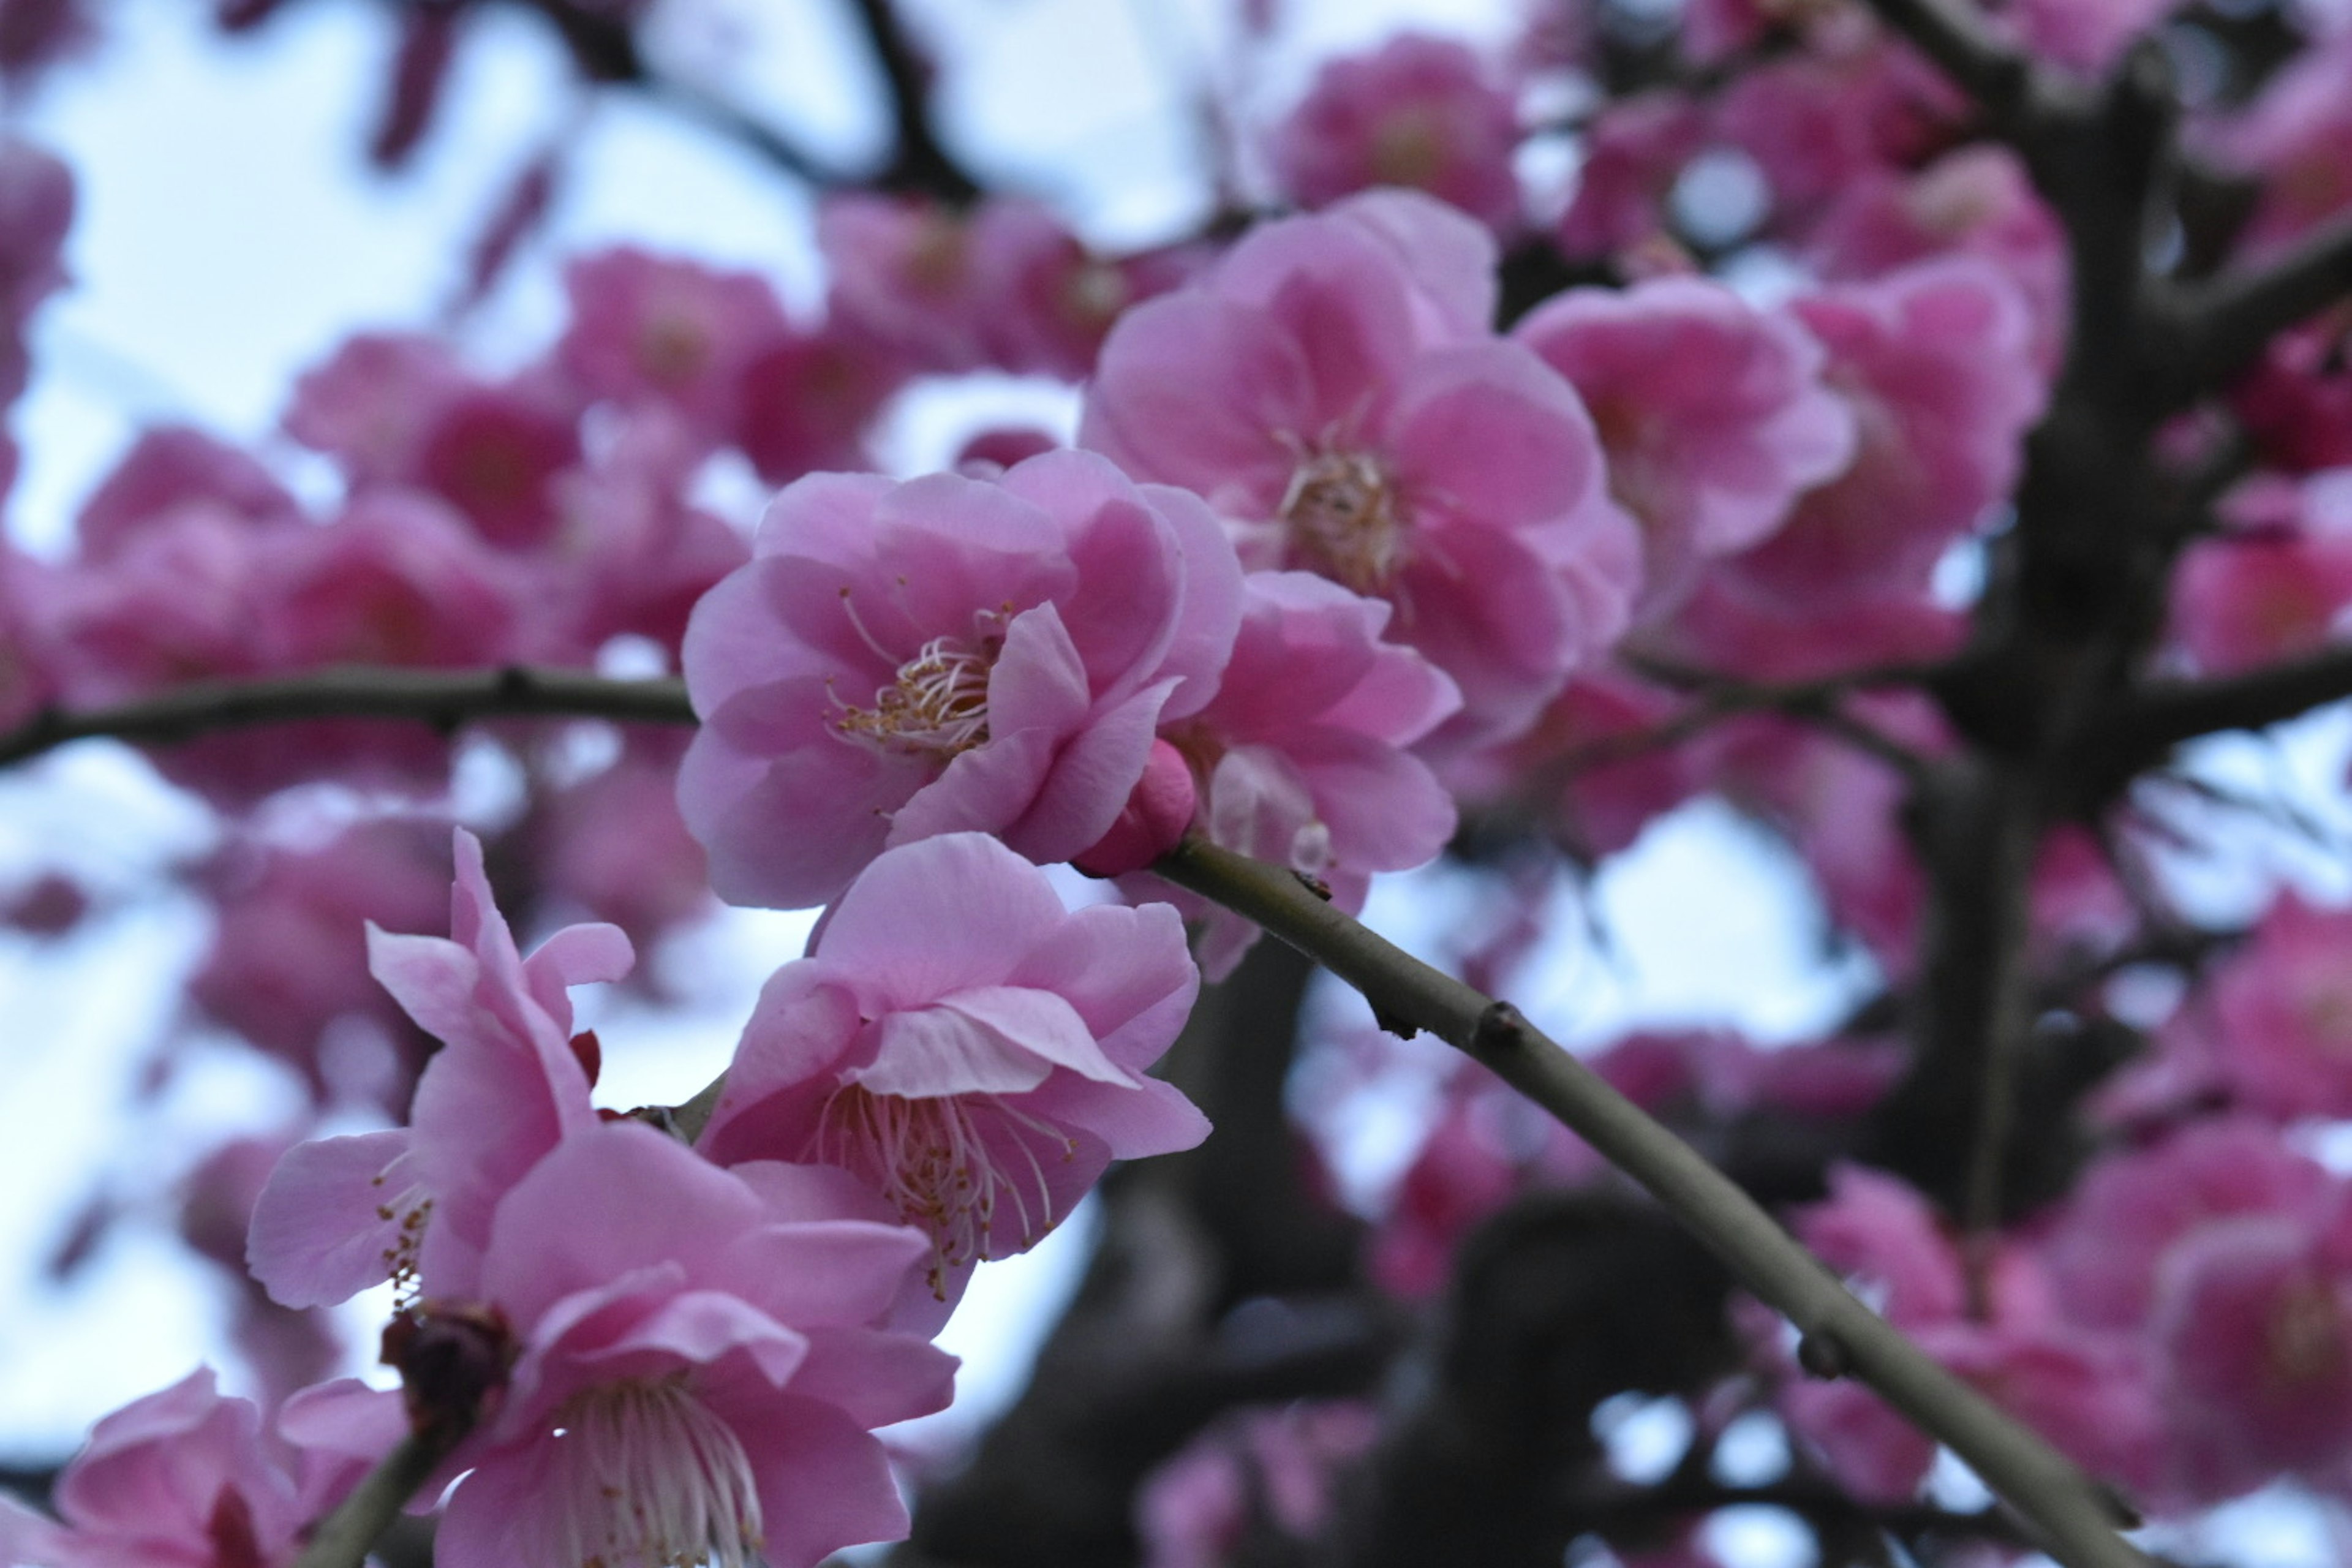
x: 2296, y: 404
x: 807, y: 400
x: 1712, y: 414
x: 1937, y: 360
x: 1635, y: 150
x: 414, y: 1204
x: 2132, y: 1207
x: 1814, y: 121
x: 900, y: 660
x: 171, y: 466
x: 2252, y: 1345
x: 979, y: 1074
x: 289, y: 955
x: 697, y: 1378
x: 1420, y: 112
x: 2280, y: 1014
x: 2278, y: 584
x: 661, y: 329
x: 2296, y: 139
x: 1324, y: 391
x: 1977, y: 201
x: 2087, y: 35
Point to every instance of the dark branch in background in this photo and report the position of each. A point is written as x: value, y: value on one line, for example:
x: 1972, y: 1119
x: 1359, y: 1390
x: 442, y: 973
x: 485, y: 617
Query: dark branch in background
x: 2162, y: 714
x: 2065, y: 1510
x: 2001, y: 78
x: 441, y: 699
x: 922, y: 165
x: 2225, y: 324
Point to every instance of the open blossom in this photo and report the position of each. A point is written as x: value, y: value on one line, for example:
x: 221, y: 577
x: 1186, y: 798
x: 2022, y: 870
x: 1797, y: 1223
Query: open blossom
x: 697, y: 1377
x: 900, y: 660
x: 662, y: 329
x: 2279, y: 1014
x: 1322, y: 389
x: 1420, y: 113
x: 2278, y: 584
x: 967, y: 1048
x: 414, y: 1204
x: 2294, y: 140
x: 1302, y: 758
x: 1635, y: 149
x: 1712, y: 414
x: 1937, y: 360
x: 187, y: 1478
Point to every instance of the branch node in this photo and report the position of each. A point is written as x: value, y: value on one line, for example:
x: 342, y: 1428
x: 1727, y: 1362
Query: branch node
x: 1502, y: 1030
x: 1824, y: 1355
x: 1315, y: 885
x: 1390, y: 1023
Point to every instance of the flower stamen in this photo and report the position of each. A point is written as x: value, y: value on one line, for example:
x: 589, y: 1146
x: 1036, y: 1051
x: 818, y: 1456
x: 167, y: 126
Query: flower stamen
x: 647, y: 1477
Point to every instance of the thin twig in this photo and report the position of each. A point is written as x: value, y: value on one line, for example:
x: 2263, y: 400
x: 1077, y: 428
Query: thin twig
x: 2046, y: 1489
x: 444, y: 699
x: 2163, y: 714
x: 344, y: 1538
x: 2226, y: 324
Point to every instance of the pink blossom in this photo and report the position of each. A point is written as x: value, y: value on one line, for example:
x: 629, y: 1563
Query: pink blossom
x: 494, y: 453
x: 1728, y: 628
x: 2252, y: 1331
x: 978, y: 1074
x: 1937, y: 360
x: 1323, y: 391
x: 2296, y: 404
x: 2296, y: 141
x: 187, y: 1478
x: 1815, y: 122
x: 1975, y: 201
x: 646, y: 326
x: 414, y: 1204
x: 1882, y: 1236
x: 1050, y: 299
x: 1712, y: 414
x: 168, y: 468
x: 288, y: 959
x: 2280, y: 1014
x: 1634, y: 151
x: 697, y: 1378
x: 807, y: 400
x: 1301, y: 758
x: 1420, y: 112
x: 370, y: 405
x: 1601, y: 805
x: 36, y: 208
x: 2087, y: 35
x: 2132, y: 1207
x: 1466, y: 1169
x: 2278, y: 584
x: 1278, y: 1465
x: 904, y: 274
x: 1153, y: 821
x: 903, y: 660
x: 614, y: 845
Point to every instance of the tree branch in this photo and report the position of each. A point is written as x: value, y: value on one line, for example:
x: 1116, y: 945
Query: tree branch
x: 922, y: 163
x: 445, y: 699
x: 1954, y: 35
x: 344, y: 1537
x: 2226, y: 324
x: 2162, y: 714
x: 2060, y: 1503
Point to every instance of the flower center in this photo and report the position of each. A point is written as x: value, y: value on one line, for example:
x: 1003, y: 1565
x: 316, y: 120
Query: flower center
x: 937, y: 706
x: 646, y: 1477
x: 2304, y: 1336
x: 1342, y: 516
x: 930, y: 1159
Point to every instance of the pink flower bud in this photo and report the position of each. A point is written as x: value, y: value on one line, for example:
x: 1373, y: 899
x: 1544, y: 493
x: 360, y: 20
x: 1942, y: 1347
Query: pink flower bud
x: 1154, y: 818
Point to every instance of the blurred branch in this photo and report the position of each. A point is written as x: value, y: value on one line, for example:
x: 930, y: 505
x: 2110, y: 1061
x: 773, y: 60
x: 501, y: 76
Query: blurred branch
x: 2162, y: 714
x: 1958, y: 37
x: 443, y: 699
x: 2057, y: 1499
x: 2225, y: 323
x: 922, y: 165
x: 344, y: 1537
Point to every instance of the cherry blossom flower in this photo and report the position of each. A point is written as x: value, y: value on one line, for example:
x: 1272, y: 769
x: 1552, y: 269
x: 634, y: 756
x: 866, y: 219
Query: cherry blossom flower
x: 2278, y: 584
x: 978, y: 1074
x: 414, y: 1204
x: 1420, y: 112
x: 2279, y: 1013
x: 900, y: 660
x: 190, y: 1479
x: 1635, y: 150
x: 2293, y: 140
x: 1302, y: 756
x: 696, y: 1375
x: 1712, y: 414
x: 1321, y: 389
x: 1937, y: 360
x: 646, y: 326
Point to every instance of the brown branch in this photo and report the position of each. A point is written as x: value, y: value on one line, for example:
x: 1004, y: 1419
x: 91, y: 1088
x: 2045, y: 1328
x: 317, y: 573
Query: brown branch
x: 2059, y: 1502
x: 2163, y: 714
x: 2224, y: 325
x: 344, y: 1538
x: 922, y: 163
x: 444, y: 699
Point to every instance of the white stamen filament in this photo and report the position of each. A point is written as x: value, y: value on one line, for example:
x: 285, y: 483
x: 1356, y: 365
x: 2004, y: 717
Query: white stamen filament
x: 928, y: 1158
x: 647, y: 1477
x: 938, y: 702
